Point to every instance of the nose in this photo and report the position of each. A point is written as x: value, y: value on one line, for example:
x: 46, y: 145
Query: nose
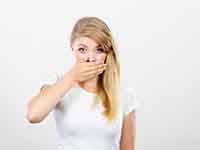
x: 90, y: 57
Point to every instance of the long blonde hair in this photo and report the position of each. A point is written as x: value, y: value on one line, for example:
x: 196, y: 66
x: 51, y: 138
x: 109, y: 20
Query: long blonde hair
x: 109, y: 81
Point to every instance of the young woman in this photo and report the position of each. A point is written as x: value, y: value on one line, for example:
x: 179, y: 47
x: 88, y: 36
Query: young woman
x: 92, y: 108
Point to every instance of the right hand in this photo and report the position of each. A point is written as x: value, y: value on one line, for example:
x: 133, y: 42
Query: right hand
x: 85, y: 70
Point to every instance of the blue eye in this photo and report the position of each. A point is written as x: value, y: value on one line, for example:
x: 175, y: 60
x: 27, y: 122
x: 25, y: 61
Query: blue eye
x: 81, y: 49
x: 100, y: 50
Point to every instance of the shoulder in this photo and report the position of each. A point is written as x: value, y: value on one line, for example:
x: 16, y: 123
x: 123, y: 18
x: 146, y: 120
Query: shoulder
x: 52, y: 79
x: 49, y: 80
x: 128, y: 99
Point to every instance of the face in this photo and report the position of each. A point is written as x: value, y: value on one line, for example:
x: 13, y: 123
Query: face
x: 84, y: 48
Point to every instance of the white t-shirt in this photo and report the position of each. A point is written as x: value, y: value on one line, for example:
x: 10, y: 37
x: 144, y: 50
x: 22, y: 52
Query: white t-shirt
x: 81, y: 128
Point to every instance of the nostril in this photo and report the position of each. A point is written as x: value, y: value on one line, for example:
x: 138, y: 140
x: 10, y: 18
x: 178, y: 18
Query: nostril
x: 90, y: 60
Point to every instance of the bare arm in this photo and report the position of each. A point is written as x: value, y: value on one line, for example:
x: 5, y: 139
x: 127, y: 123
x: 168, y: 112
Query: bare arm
x: 128, y: 132
x: 41, y: 104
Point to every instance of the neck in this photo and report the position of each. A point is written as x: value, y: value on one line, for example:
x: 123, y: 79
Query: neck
x: 89, y: 85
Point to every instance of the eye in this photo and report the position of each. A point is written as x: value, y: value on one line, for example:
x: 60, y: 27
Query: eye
x: 100, y: 50
x: 81, y: 49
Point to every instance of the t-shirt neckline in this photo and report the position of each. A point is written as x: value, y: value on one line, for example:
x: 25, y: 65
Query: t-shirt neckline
x: 85, y: 91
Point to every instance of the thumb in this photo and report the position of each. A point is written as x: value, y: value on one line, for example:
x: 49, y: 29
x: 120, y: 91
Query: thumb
x: 81, y: 60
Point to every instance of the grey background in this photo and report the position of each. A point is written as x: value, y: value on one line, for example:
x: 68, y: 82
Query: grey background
x: 159, y: 51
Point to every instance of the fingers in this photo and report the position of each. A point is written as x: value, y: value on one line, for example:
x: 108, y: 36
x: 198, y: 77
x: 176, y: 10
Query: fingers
x: 94, y: 64
x: 96, y: 71
x: 81, y: 60
x: 96, y: 67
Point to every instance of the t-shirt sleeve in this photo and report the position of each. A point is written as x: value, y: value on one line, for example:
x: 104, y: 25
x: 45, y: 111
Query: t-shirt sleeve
x: 130, y: 101
x: 50, y: 81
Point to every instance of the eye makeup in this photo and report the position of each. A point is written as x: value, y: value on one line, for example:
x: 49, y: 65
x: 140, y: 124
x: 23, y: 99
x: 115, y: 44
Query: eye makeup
x: 98, y: 50
x: 80, y: 49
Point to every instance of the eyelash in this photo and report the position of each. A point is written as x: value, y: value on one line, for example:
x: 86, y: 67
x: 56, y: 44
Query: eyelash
x: 80, y: 49
x: 101, y: 49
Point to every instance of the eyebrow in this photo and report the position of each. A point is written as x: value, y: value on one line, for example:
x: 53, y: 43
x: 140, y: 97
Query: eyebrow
x: 86, y: 45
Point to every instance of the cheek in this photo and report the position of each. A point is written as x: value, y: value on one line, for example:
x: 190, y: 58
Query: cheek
x: 101, y: 57
x: 80, y: 56
x: 77, y: 55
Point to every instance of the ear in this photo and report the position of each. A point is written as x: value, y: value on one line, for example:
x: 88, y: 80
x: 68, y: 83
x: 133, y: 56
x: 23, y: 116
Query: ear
x: 71, y: 46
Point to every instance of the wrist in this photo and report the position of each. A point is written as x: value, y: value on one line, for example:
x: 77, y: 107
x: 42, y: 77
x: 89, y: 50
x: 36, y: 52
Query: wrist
x: 70, y: 76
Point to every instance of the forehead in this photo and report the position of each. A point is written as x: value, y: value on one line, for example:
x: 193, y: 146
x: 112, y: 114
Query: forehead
x: 85, y: 41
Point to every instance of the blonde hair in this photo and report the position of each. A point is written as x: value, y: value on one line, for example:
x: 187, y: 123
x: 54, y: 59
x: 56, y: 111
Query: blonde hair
x: 109, y: 80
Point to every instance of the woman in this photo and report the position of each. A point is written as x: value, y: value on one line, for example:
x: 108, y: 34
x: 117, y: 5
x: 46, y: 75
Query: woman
x: 92, y: 109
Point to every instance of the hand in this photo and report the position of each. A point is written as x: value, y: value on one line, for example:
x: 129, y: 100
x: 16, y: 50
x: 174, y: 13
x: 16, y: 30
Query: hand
x: 85, y: 70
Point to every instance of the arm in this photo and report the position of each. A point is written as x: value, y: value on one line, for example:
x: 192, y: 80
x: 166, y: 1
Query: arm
x: 128, y: 132
x: 41, y: 104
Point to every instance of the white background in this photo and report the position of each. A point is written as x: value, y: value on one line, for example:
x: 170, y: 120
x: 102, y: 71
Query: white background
x: 159, y: 50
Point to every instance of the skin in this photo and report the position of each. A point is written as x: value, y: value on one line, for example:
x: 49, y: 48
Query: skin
x: 85, y: 48
x: 42, y: 104
x: 127, y: 141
